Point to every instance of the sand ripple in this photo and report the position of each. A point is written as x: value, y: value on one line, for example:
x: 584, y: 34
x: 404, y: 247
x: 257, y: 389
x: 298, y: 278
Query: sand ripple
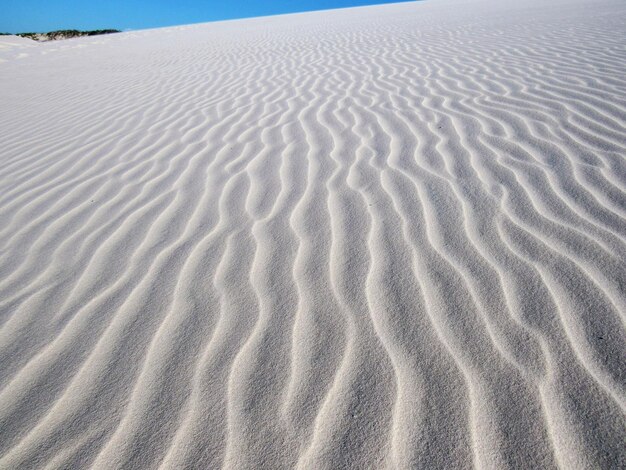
x: 389, y: 237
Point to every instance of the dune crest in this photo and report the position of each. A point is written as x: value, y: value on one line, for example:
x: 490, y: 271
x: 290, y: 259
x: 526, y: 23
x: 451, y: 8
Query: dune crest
x: 382, y: 237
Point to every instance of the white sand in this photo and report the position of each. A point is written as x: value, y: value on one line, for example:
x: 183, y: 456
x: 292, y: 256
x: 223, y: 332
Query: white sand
x: 387, y: 237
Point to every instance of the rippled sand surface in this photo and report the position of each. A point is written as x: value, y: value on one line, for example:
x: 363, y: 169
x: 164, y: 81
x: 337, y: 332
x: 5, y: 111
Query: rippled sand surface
x: 383, y: 237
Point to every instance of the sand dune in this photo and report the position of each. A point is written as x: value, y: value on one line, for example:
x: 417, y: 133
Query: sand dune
x: 383, y: 237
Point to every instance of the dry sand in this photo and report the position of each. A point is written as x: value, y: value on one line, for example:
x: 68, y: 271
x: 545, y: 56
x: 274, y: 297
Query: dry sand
x: 387, y: 237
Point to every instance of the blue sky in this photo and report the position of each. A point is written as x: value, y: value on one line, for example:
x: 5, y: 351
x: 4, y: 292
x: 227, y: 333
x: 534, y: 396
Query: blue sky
x: 17, y: 16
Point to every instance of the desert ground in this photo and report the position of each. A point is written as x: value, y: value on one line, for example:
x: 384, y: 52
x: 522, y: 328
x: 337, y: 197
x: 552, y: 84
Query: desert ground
x: 368, y: 238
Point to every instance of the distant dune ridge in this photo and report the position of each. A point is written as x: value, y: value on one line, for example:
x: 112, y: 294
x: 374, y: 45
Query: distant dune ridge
x: 383, y: 237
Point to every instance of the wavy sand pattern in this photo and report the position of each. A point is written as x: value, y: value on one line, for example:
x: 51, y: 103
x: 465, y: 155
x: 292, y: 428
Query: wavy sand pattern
x: 386, y: 237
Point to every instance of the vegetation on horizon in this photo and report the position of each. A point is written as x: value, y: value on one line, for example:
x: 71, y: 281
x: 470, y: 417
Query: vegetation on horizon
x: 63, y: 34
